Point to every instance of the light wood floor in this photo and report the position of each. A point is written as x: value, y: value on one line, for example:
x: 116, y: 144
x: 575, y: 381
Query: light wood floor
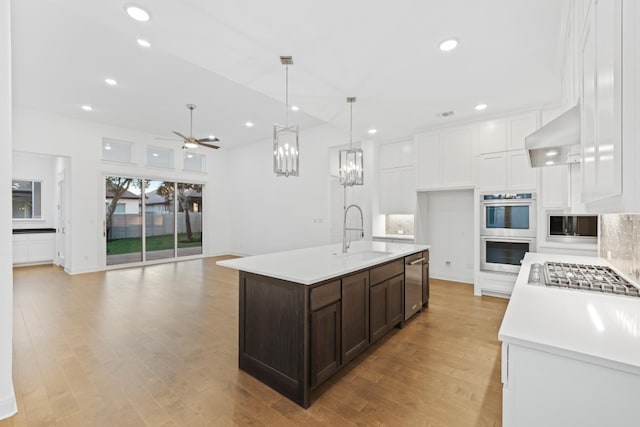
x: 157, y: 346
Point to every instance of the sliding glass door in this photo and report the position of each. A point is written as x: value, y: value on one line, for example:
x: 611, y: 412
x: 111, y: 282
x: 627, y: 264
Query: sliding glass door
x: 170, y: 227
x: 123, y: 220
x: 159, y: 224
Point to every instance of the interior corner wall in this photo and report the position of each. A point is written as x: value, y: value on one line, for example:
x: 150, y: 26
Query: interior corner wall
x: 81, y: 142
x: 272, y: 213
x: 7, y: 396
x: 455, y: 242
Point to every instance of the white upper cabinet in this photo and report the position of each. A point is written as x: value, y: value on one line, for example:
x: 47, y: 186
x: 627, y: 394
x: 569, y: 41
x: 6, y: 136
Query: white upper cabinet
x: 520, y: 176
x: 445, y: 159
x: 491, y: 136
x: 428, y: 147
x: 397, y: 178
x: 518, y: 128
x: 492, y: 171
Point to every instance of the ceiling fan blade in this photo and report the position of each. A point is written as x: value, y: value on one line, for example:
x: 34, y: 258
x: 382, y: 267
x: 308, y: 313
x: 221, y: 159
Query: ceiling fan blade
x: 180, y: 135
x: 214, y: 139
x: 215, y: 147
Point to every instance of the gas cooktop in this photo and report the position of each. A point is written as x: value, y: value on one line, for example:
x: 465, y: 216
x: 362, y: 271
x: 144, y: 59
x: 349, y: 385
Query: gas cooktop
x: 596, y: 278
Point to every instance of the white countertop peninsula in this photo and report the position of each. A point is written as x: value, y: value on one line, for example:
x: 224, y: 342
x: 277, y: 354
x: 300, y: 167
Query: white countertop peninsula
x: 569, y: 357
x: 316, y: 264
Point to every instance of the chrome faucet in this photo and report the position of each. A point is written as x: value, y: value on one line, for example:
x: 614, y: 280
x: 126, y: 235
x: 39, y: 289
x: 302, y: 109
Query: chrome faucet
x: 345, y: 244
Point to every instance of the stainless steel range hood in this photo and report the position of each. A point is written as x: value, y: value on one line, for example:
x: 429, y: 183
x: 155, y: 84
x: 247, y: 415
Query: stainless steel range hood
x: 557, y: 142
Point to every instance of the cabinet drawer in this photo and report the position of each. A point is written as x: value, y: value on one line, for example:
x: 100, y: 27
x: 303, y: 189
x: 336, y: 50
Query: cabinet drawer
x: 387, y: 271
x: 325, y: 295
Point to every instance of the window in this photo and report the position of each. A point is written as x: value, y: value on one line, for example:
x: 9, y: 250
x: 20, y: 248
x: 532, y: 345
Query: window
x: 159, y: 157
x: 194, y: 162
x: 26, y: 199
x: 116, y: 151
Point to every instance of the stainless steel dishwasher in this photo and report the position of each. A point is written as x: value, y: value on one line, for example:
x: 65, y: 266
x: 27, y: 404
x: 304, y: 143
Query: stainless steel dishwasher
x: 413, y: 284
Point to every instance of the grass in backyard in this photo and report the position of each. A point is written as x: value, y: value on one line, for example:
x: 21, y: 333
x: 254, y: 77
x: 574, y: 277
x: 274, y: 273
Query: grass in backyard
x: 154, y: 243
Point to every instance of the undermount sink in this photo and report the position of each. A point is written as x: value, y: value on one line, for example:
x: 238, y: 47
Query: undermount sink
x: 363, y: 255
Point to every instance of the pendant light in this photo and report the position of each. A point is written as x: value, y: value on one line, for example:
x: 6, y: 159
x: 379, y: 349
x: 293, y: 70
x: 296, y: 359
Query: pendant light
x: 351, y: 160
x: 285, y: 138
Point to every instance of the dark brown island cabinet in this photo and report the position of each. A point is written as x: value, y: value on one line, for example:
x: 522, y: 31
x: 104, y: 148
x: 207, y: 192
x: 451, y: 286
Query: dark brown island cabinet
x: 293, y: 337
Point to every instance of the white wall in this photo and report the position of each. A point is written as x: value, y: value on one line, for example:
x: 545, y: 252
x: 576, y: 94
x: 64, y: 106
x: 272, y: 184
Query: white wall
x: 449, y: 229
x: 7, y: 397
x: 275, y: 213
x: 81, y: 142
x: 37, y: 167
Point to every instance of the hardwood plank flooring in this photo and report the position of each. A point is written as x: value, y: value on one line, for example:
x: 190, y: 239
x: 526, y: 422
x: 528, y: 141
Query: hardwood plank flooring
x: 158, y: 346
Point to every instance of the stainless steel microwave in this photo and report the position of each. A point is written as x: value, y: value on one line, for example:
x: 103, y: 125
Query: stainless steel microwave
x: 572, y: 228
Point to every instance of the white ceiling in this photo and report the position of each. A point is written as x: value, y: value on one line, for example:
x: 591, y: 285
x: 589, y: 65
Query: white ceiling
x: 224, y: 56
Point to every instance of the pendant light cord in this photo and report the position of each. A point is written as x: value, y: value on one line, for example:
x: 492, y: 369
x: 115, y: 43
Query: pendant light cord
x: 286, y: 120
x: 351, y: 127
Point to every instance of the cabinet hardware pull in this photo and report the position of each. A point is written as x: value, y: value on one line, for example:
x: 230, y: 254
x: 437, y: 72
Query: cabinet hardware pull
x: 418, y: 261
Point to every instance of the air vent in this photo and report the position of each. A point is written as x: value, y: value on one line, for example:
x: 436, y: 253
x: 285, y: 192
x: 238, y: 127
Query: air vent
x: 445, y: 114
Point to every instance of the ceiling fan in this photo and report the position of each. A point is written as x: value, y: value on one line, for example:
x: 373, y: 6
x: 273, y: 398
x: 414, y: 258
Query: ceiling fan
x: 192, y: 142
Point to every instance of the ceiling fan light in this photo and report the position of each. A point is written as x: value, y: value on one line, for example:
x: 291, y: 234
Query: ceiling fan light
x: 190, y: 144
x: 137, y: 13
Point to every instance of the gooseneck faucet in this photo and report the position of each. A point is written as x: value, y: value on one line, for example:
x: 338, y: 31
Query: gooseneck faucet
x: 345, y: 244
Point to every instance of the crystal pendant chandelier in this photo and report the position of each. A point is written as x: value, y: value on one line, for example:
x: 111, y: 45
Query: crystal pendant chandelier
x: 285, y: 138
x: 351, y: 166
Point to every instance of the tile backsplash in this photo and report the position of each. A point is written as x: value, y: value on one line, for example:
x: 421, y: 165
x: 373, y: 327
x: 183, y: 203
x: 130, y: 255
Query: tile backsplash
x: 398, y: 224
x: 620, y: 242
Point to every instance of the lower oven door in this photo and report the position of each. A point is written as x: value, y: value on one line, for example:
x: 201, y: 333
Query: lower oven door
x: 504, y: 254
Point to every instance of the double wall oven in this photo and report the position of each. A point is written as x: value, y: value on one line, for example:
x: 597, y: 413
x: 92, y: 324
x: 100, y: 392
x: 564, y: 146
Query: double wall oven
x: 507, y: 231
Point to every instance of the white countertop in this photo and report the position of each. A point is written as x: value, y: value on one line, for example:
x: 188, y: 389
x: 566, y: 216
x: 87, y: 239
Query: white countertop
x: 590, y: 326
x: 312, y: 265
x: 394, y: 236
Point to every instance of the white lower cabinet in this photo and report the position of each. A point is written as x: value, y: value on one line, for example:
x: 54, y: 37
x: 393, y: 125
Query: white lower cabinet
x: 545, y: 388
x: 33, y: 248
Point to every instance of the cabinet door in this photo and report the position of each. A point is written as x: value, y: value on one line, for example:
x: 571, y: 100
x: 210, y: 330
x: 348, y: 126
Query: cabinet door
x: 355, y: 315
x: 521, y: 176
x: 457, y: 158
x: 378, y: 296
x: 492, y: 136
x: 425, y: 281
x: 406, y: 156
x: 428, y: 147
x: 325, y: 342
x: 555, y: 187
x: 406, y: 191
x: 389, y: 156
x: 394, y: 300
x: 389, y: 191
x: 608, y: 99
x: 492, y: 171
x: 588, y: 126
x: 519, y: 128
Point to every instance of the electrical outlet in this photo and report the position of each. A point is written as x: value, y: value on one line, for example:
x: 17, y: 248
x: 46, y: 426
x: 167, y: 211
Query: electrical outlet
x: 448, y: 263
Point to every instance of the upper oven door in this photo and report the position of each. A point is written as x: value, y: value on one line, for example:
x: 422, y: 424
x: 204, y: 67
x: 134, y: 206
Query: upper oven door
x: 508, y: 218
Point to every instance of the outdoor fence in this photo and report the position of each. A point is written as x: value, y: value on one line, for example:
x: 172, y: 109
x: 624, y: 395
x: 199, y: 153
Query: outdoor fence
x: 130, y: 225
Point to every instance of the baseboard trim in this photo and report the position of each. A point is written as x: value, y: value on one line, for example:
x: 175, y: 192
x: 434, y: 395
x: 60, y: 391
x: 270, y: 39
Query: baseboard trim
x: 8, y: 405
x: 451, y: 278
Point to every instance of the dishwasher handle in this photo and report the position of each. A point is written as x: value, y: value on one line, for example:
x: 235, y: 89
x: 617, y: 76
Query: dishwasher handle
x: 418, y: 261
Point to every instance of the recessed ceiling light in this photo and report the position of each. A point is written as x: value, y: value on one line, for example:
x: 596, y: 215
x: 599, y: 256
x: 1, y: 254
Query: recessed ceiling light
x: 86, y: 107
x: 448, y: 45
x: 137, y: 13
x: 143, y: 43
x: 111, y: 82
x: 249, y: 124
x: 372, y: 131
x: 294, y: 108
x: 481, y: 107
x: 550, y: 162
x: 552, y: 153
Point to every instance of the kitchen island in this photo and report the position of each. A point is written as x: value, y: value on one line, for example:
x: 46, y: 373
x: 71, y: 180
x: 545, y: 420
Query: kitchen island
x: 304, y: 314
x: 569, y: 357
